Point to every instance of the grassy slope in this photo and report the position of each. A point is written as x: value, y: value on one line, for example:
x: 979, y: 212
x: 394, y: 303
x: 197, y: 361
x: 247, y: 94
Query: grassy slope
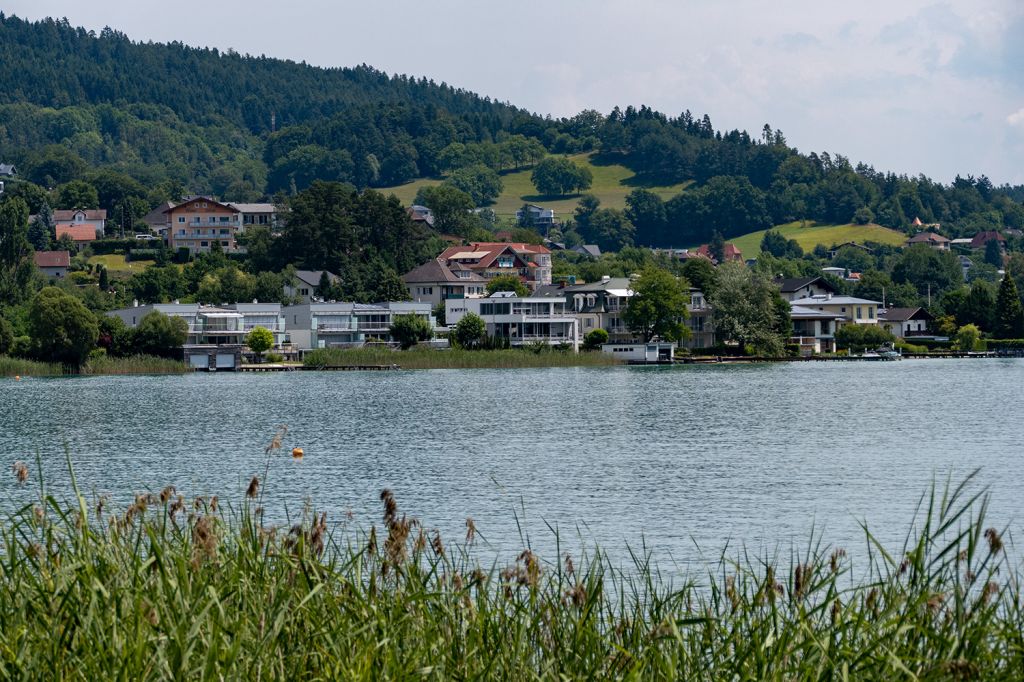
x: 612, y: 183
x: 827, y: 235
x: 116, y: 264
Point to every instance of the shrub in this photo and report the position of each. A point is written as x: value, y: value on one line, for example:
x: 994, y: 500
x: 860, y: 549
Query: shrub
x: 470, y: 331
x: 274, y: 357
x: 410, y: 329
x: 594, y: 339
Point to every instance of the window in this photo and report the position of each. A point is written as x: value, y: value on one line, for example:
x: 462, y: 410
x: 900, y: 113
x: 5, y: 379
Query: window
x: 871, y: 313
x: 505, y: 261
x: 589, y: 323
x: 859, y: 311
x: 181, y: 219
x: 204, y: 243
x: 225, y: 230
x: 842, y: 310
x: 225, y: 243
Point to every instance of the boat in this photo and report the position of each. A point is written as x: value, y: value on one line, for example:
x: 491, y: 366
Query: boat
x: 882, y: 353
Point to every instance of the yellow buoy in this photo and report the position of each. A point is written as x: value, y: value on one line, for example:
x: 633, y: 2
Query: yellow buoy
x: 297, y: 453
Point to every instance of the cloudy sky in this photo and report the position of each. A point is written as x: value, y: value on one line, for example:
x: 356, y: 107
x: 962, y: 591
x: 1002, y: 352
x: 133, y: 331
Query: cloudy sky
x: 909, y: 85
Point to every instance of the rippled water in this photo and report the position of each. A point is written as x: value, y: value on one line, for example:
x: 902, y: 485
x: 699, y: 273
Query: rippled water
x: 679, y: 458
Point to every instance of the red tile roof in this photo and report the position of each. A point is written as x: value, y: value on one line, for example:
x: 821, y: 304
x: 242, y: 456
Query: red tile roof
x: 78, y: 233
x: 52, y: 259
x: 731, y: 253
x: 983, y: 238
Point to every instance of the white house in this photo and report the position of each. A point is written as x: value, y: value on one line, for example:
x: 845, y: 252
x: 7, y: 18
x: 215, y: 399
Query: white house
x: 341, y: 324
x: 304, y: 284
x: 653, y: 353
x: 904, y: 322
x: 804, y: 287
x: 849, y: 308
x: 522, y: 321
x: 539, y: 216
x: 814, y: 330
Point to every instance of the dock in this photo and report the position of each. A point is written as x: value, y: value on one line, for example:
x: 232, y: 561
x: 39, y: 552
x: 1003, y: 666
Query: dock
x: 301, y: 368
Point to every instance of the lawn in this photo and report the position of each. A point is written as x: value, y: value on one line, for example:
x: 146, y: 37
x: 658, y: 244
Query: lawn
x: 612, y: 183
x: 813, y: 234
x: 116, y: 264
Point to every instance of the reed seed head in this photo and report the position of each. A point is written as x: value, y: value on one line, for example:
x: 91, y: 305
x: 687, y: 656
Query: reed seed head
x: 254, y: 488
x: 20, y: 472
x: 470, y: 530
x: 995, y: 543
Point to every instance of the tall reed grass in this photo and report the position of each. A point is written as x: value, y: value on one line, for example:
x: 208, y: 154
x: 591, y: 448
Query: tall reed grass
x: 172, y: 587
x: 454, y: 358
x: 28, y: 368
x: 136, y: 364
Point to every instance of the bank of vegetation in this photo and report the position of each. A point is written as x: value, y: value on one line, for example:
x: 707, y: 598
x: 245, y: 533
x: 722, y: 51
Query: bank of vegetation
x: 179, y: 587
x: 98, y: 365
x: 454, y: 358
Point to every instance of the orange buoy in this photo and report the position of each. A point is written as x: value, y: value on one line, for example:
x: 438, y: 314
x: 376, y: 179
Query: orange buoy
x: 17, y: 377
x: 297, y: 453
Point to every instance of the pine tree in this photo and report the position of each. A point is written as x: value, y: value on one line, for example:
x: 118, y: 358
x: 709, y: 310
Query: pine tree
x: 1009, y: 311
x: 38, y: 235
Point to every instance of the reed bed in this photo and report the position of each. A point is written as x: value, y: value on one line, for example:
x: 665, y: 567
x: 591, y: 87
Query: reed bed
x: 135, y: 364
x: 454, y: 358
x: 171, y: 587
x: 28, y: 368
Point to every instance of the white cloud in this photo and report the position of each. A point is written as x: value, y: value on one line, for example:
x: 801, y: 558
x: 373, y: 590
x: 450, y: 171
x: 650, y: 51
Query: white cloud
x: 1016, y: 118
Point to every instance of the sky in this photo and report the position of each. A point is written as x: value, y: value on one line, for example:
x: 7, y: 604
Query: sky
x: 910, y: 86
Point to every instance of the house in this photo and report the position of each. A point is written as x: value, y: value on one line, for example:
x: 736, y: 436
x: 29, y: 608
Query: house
x: 340, y: 324
x: 539, y: 216
x: 216, y: 334
x: 835, y: 249
x: 256, y: 214
x: 731, y: 253
x: 53, y: 263
x: 835, y: 272
x: 592, y: 250
x: 65, y: 221
x: 982, y: 238
x: 79, y: 234
x: 653, y: 353
x: 520, y: 321
x: 434, y: 282
x: 814, y: 330
x: 7, y: 170
x: 554, y: 246
x: 156, y: 220
x: 965, y: 264
x: 804, y: 287
x: 531, y: 263
x: 597, y: 305
x: 421, y: 214
x: 198, y: 222
x: 936, y: 241
x: 850, y: 309
x: 964, y: 242
x: 904, y: 322
x: 702, y: 329
x: 305, y: 282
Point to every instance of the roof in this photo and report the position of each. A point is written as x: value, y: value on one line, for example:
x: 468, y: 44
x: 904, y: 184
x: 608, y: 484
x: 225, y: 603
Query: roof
x: 52, y: 259
x: 903, y: 314
x: 78, y: 233
x: 253, y: 208
x: 8, y: 170
x: 834, y: 300
x: 487, y: 252
x: 802, y: 313
x: 437, y: 271
x: 209, y: 200
x: 927, y: 238
x: 312, y: 277
x: 88, y: 214
x: 730, y: 251
x: 589, y: 249
x: 983, y: 238
x: 157, y: 214
x: 792, y: 285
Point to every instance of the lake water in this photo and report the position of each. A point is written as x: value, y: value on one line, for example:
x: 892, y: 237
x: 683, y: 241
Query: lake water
x: 684, y: 459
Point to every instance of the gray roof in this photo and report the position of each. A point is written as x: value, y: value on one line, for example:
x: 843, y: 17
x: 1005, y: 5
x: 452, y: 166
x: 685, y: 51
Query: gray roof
x: 312, y: 277
x: 903, y: 314
x: 788, y: 286
x: 835, y: 300
x: 588, y: 249
x: 253, y: 208
x: 801, y: 313
x: 8, y: 170
x: 436, y: 271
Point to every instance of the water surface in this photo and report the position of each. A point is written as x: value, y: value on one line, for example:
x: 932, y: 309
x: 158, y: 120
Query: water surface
x: 677, y: 458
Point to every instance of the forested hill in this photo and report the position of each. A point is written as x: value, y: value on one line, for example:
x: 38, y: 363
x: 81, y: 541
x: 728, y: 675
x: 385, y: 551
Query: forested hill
x: 53, y: 64
x: 144, y: 123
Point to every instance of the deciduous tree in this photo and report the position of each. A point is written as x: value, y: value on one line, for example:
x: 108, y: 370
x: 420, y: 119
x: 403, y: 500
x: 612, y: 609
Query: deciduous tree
x: 658, y: 306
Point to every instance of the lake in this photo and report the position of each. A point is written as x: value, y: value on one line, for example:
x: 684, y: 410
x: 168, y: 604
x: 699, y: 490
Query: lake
x: 682, y: 459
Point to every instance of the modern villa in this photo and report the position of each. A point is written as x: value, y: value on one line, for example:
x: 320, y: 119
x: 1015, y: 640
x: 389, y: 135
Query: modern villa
x: 522, y: 321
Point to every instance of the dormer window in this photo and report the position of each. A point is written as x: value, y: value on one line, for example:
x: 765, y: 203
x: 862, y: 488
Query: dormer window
x: 505, y: 261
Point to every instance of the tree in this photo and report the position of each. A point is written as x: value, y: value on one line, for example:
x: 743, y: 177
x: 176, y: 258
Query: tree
x: 556, y: 176
x: 928, y: 270
x: 260, y: 340
x: 481, y: 183
x: 863, y: 216
x: 658, y: 306
x: 6, y: 337
x: 15, y: 264
x: 469, y: 332
x: 160, y: 335
x: 746, y: 309
x: 410, y: 329
x: 594, y: 339
x: 967, y: 337
x: 62, y: 328
x: 77, y: 194
x: 507, y: 283
x: 646, y: 211
x: 451, y: 208
x: 39, y: 232
x: 994, y: 253
x: 1009, y: 317
x: 979, y: 307
x: 717, y: 247
x: 777, y: 245
x: 609, y: 228
x: 859, y: 337
x: 700, y: 273
x: 324, y: 286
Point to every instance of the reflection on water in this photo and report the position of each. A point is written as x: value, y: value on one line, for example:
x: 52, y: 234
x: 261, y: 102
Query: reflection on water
x: 677, y: 458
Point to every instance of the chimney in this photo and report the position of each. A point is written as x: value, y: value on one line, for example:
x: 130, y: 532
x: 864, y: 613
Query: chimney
x: 135, y: 303
x: 605, y: 278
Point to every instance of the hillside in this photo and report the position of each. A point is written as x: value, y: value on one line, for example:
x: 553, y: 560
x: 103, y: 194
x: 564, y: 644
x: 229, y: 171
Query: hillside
x: 612, y: 183
x: 814, y: 234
